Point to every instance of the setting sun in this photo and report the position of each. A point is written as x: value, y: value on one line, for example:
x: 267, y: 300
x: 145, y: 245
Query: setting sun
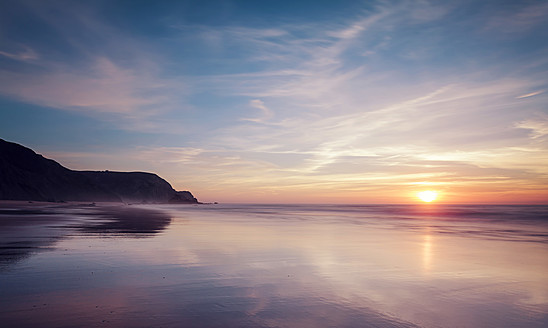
x: 427, y: 195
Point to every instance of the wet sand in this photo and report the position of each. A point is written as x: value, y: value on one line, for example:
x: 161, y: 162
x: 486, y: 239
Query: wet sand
x: 106, y: 265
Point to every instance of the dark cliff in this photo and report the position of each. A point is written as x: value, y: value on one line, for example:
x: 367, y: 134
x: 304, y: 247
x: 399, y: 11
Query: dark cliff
x: 25, y: 175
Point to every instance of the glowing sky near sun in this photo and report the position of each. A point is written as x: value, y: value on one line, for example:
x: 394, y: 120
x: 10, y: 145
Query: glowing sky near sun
x: 287, y: 101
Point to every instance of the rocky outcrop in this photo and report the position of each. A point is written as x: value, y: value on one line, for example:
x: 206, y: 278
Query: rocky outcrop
x: 25, y: 175
x: 183, y: 197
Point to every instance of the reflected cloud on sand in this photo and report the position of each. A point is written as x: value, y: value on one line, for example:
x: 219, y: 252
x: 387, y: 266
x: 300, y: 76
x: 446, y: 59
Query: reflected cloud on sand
x: 31, y: 228
x: 131, y: 222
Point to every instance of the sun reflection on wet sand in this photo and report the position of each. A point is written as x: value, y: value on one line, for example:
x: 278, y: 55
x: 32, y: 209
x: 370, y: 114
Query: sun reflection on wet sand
x: 427, y: 251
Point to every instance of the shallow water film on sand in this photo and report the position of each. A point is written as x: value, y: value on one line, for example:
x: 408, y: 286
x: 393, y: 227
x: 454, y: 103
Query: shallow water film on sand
x: 86, y: 265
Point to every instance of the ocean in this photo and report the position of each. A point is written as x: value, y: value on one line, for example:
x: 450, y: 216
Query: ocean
x: 238, y: 265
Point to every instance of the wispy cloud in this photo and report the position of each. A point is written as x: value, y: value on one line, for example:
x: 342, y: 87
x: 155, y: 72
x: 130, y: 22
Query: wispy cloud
x: 531, y: 94
x: 108, y: 74
x: 520, y: 18
x: 538, y: 126
x: 266, y: 113
x: 25, y: 53
x: 103, y: 87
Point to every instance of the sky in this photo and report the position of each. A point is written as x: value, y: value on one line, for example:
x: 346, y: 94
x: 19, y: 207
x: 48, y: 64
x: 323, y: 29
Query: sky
x: 287, y: 101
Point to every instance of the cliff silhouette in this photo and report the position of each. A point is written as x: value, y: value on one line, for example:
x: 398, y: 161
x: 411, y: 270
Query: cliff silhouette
x: 25, y: 175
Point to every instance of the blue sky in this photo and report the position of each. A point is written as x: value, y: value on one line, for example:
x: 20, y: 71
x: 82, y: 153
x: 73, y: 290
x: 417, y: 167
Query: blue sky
x: 287, y: 101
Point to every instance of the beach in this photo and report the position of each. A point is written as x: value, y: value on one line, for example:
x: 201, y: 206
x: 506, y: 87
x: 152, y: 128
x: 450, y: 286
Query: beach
x: 238, y: 265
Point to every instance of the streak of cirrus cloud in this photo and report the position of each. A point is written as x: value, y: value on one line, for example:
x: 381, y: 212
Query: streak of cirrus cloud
x: 364, y: 107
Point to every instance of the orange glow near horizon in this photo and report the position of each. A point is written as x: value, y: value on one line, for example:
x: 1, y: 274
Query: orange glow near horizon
x: 403, y: 195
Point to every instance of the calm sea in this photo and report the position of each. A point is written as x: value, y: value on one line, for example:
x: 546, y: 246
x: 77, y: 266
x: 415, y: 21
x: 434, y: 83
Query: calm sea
x: 70, y: 265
